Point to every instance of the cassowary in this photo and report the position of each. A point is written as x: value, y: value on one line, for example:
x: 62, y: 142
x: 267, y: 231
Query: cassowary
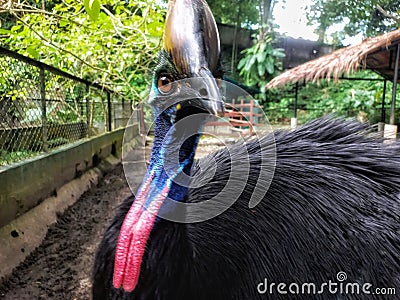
x: 329, y: 209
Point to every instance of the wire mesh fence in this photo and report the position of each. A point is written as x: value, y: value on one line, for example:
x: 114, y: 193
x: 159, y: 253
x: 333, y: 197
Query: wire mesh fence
x: 42, y: 108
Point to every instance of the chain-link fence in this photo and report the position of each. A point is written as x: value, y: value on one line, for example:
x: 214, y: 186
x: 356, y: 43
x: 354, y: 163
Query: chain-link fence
x: 42, y: 108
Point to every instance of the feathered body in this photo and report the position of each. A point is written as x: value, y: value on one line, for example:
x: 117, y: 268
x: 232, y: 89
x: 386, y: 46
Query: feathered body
x: 331, y: 207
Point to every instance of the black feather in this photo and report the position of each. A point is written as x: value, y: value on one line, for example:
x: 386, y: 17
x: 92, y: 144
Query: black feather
x: 332, y: 206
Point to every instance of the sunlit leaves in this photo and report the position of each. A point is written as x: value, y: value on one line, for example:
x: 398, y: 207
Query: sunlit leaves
x: 117, y: 50
x: 260, y: 62
x: 229, y: 12
x: 33, y: 52
x: 357, y: 16
x: 349, y: 98
x: 92, y: 8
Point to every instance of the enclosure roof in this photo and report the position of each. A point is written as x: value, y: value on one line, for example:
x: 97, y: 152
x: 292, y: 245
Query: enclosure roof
x: 377, y: 53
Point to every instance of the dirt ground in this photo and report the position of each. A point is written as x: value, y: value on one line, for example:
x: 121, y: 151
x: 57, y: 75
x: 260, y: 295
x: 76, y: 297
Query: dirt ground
x: 61, y: 267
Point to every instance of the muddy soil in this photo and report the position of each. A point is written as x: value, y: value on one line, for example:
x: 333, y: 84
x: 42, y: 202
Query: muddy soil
x: 61, y: 267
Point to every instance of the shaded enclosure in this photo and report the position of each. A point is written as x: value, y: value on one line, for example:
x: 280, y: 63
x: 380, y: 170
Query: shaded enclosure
x: 379, y: 54
x: 42, y: 107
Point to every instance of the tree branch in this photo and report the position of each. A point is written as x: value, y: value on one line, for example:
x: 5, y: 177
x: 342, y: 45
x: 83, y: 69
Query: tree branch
x: 388, y: 15
x: 56, y: 46
x: 107, y: 75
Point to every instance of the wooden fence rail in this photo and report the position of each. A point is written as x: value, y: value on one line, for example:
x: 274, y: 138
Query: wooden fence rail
x: 241, y: 115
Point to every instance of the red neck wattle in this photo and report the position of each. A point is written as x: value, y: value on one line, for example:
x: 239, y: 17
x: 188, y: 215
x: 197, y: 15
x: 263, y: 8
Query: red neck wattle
x: 134, y: 234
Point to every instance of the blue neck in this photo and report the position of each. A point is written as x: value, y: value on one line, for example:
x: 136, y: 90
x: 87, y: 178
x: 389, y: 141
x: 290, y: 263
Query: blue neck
x: 168, y: 142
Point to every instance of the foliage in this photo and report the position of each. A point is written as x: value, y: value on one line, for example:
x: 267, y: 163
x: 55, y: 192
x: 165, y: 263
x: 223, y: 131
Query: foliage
x: 261, y: 62
x: 361, y: 99
x: 228, y: 12
x: 114, y: 43
x: 363, y: 17
x: 92, y: 8
x: 8, y: 157
x: 247, y: 14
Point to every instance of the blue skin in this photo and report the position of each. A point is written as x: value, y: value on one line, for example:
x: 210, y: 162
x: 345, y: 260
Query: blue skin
x: 165, y: 143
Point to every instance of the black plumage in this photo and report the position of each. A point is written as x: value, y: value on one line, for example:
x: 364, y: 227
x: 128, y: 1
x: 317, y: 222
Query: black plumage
x: 329, y: 198
x: 332, y: 206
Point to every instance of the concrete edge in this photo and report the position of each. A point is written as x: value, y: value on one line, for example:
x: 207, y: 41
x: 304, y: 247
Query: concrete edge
x: 26, y: 183
x: 23, y: 235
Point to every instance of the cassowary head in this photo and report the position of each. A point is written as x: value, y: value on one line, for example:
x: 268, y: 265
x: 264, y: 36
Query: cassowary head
x: 184, y: 86
x: 184, y: 79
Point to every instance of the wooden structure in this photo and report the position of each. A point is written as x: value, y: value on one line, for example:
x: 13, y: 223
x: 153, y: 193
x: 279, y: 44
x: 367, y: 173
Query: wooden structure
x: 379, y: 54
x: 241, y: 115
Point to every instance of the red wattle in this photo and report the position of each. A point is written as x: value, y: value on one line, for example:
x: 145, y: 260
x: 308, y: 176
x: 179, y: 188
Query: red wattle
x: 133, y: 237
x: 138, y: 243
x: 125, y: 236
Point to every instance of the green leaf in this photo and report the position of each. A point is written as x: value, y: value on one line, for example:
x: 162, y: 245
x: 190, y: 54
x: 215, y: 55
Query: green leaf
x: 16, y: 28
x: 92, y: 8
x: 32, y: 51
x: 242, y: 62
x: 250, y: 63
x: 261, y: 57
x: 64, y: 23
x: 262, y: 48
x: 261, y: 70
x: 269, y: 66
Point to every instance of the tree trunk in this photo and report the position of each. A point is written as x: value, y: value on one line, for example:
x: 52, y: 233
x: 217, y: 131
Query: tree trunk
x: 321, y: 33
x: 267, y: 10
x: 265, y: 15
x: 234, y: 43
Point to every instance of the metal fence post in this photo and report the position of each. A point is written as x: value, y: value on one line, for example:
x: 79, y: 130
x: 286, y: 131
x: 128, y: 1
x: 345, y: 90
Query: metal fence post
x: 123, y: 113
x: 296, y: 100
x: 45, y: 145
x: 47, y: 111
x: 109, y: 110
x: 395, y: 78
x: 88, y: 133
x: 142, y: 127
x: 131, y: 108
x: 383, y: 113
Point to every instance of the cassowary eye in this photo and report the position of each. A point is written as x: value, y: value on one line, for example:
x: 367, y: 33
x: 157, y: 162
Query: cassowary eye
x: 164, y: 84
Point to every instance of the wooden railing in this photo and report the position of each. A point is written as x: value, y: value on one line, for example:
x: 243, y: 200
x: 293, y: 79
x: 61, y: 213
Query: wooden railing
x: 241, y: 115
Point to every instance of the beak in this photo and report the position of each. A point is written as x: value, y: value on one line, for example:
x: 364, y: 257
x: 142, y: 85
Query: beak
x: 191, y: 39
